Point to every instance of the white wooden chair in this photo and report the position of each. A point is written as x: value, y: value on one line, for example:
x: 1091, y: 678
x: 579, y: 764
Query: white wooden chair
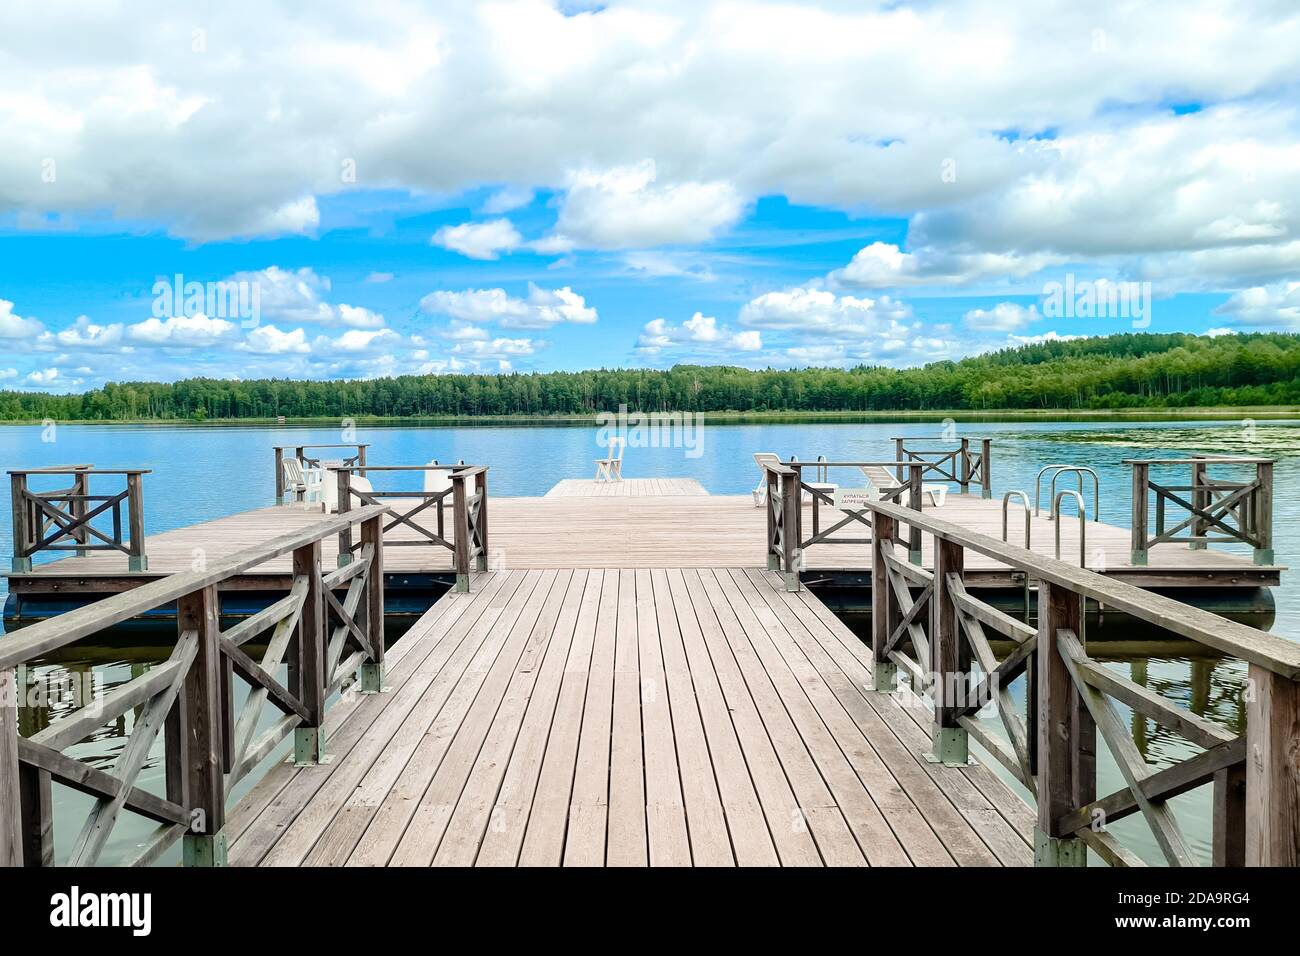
x: 760, y: 458
x: 882, y: 479
x: 610, y: 468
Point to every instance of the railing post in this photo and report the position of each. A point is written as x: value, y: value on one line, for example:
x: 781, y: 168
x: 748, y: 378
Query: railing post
x: 1200, y: 501
x: 1229, y: 819
x: 900, y: 455
x: 986, y: 467
x: 1272, y: 769
x: 205, y: 843
x: 345, y: 505
x: 885, y: 613
x: 460, y: 520
x: 11, y: 823
x: 361, y: 459
x: 1058, y: 609
x: 791, y: 505
x: 1263, y: 512
x: 773, y: 501
x: 951, y: 662
x: 309, y: 736
x: 481, y: 525
x: 22, y: 562
x: 372, y: 671
x: 914, y: 502
x: 136, y: 560
x: 1141, y: 490
x: 964, y: 483
x: 80, y: 489
x: 279, y: 476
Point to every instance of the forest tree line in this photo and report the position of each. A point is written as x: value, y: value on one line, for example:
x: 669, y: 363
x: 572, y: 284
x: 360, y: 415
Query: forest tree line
x: 1118, y: 371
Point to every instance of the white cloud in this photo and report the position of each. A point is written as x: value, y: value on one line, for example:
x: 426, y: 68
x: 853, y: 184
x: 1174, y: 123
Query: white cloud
x: 182, y: 331
x: 83, y: 334
x: 498, y: 348
x: 358, y: 340
x: 1003, y: 317
x: 883, y: 265
x: 627, y: 207
x: 14, y: 326
x: 507, y: 199
x: 1274, y: 305
x: 270, y: 340
x: 378, y: 278
x: 8, y: 373
x: 541, y: 309
x: 699, y: 333
x: 300, y: 296
x: 479, y: 240
x: 808, y: 310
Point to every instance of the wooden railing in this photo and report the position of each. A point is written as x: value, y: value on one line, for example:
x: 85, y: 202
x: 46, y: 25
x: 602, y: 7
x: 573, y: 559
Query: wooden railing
x: 208, y: 747
x: 1218, y: 510
x: 786, y: 487
x: 469, y: 494
x: 62, y: 519
x: 960, y: 464
x: 925, y: 623
x: 358, y: 457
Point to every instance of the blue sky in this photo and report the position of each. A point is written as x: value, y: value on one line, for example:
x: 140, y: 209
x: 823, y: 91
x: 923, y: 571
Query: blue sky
x: 529, y: 185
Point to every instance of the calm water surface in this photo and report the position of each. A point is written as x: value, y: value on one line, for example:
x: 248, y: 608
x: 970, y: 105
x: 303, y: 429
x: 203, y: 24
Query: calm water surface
x: 205, y: 472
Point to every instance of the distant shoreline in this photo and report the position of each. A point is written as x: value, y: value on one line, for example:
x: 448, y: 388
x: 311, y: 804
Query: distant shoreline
x: 1213, y: 413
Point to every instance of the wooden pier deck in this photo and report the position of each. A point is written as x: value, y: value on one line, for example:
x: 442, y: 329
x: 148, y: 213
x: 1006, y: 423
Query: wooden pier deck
x: 641, y: 528
x: 670, y: 717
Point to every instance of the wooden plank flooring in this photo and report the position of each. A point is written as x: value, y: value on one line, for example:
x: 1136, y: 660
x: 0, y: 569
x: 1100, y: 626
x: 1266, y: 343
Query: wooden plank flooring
x: 642, y: 531
x: 660, y: 716
x: 627, y: 488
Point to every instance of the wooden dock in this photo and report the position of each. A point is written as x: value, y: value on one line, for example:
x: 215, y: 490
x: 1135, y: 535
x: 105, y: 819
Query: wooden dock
x: 586, y: 524
x: 635, y: 673
x: 669, y: 717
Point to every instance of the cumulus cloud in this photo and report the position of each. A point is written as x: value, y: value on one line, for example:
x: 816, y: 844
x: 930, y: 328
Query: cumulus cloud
x: 883, y: 265
x: 540, y: 309
x: 700, y: 333
x: 1003, y: 317
x: 810, y: 310
x: 1274, y: 305
x: 13, y: 326
x: 300, y: 296
x: 627, y: 207
x: 83, y: 334
x: 269, y: 340
x: 479, y: 240
x: 182, y: 331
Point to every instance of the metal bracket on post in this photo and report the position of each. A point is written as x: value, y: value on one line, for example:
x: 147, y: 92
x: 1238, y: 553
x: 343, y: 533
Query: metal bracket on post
x: 1058, y: 851
x: 372, y: 678
x: 884, y: 677
x: 309, y: 746
x: 204, y: 849
x: 951, y: 747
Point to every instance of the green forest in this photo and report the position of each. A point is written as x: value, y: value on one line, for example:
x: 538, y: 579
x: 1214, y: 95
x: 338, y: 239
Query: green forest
x: 1112, y: 372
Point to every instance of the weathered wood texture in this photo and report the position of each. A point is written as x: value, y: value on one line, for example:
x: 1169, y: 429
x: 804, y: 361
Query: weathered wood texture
x: 648, y: 531
x: 658, y: 717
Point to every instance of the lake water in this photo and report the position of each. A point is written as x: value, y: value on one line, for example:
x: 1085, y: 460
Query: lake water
x: 205, y: 472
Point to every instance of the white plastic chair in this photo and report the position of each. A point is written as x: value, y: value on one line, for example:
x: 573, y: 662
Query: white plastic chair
x: 883, y: 480
x: 611, y: 467
x: 301, y: 479
x: 436, y: 479
x: 761, y: 458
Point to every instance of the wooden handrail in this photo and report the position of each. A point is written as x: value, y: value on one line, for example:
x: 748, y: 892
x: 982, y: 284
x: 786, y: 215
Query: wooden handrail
x: 43, y: 637
x: 325, y: 641
x: 1069, y: 701
x: 1269, y: 651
